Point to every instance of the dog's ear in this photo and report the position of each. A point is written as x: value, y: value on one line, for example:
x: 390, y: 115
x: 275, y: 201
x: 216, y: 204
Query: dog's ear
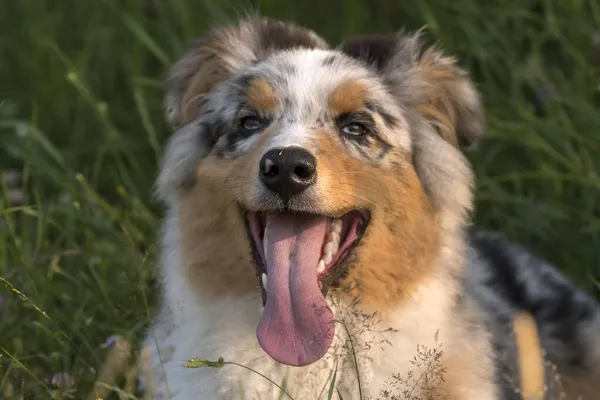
x: 424, y: 78
x: 223, y: 52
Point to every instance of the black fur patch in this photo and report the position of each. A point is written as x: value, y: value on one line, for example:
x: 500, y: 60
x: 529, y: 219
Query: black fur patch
x: 503, y: 279
x: 276, y: 35
x: 559, y: 308
x: 376, y: 50
x: 214, y: 131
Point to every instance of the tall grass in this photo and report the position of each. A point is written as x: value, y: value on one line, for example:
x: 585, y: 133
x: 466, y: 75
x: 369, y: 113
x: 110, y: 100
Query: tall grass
x: 81, y: 129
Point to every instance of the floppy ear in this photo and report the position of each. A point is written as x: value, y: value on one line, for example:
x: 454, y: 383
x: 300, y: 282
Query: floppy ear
x: 425, y: 79
x: 223, y: 52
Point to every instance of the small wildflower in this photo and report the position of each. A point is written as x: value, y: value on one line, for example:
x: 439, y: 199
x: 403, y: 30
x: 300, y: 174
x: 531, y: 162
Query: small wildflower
x: 64, y: 386
x: 62, y: 379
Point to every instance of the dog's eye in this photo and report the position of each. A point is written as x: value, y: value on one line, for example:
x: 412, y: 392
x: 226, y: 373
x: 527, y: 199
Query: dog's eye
x: 251, y: 124
x: 353, y: 129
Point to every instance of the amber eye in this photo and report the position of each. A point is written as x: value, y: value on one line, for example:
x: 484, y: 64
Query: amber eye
x: 251, y: 124
x: 353, y: 129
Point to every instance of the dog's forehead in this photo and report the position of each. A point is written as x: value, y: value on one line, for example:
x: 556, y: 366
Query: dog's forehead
x: 308, y: 77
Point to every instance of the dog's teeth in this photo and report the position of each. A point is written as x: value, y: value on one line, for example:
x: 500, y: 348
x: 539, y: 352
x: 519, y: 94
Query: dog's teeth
x: 335, y: 237
x: 336, y: 225
x: 335, y: 240
x: 264, y: 280
x: 329, y: 247
x: 328, y: 257
x: 321, y: 267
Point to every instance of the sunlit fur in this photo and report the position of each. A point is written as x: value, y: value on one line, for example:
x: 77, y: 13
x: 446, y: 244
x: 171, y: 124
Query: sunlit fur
x: 412, y: 280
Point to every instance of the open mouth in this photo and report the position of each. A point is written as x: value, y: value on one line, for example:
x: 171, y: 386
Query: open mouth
x: 299, y: 256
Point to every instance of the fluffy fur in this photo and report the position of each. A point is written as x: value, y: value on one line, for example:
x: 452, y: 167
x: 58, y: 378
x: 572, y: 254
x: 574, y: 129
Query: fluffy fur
x: 417, y: 282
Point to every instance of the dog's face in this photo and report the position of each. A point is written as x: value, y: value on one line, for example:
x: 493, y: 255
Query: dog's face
x: 297, y: 169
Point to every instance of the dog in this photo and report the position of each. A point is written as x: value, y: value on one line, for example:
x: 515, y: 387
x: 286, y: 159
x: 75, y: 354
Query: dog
x: 317, y: 239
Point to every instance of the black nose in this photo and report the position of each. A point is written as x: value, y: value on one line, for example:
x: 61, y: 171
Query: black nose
x: 288, y: 171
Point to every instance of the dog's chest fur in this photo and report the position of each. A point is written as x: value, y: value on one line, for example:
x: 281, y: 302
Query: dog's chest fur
x: 388, y: 347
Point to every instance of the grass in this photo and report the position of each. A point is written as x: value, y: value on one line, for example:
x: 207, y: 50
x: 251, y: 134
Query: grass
x: 81, y: 129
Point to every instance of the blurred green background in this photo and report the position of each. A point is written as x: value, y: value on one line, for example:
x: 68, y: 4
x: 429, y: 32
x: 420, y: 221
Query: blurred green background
x: 81, y: 129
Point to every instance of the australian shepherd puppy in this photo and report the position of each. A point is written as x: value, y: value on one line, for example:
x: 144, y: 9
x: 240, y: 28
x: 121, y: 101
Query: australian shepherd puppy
x: 317, y: 233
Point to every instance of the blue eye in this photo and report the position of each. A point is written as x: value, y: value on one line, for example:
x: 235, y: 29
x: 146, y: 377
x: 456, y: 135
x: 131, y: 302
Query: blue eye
x: 353, y: 130
x: 251, y: 123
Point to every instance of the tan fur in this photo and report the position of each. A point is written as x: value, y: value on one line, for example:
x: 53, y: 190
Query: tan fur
x: 401, y: 245
x: 209, y: 70
x: 212, y: 227
x: 438, y: 106
x: 531, y: 360
x: 348, y: 96
x: 226, y: 243
x: 262, y: 97
x: 449, y: 98
x: 444, y: 118
x: 209, y: 208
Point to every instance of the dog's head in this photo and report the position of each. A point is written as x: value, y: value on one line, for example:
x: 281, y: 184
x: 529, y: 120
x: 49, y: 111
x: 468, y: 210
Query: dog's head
x: 301, y: 169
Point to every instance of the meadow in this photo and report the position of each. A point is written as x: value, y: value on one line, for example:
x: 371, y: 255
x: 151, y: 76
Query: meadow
x: 82, y: 127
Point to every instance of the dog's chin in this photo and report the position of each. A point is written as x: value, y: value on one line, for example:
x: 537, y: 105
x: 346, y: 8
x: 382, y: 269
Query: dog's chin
x: 298, y: 257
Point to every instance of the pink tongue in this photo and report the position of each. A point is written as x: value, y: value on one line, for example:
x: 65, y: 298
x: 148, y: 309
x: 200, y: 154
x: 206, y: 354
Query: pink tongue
x: 296, y: 327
